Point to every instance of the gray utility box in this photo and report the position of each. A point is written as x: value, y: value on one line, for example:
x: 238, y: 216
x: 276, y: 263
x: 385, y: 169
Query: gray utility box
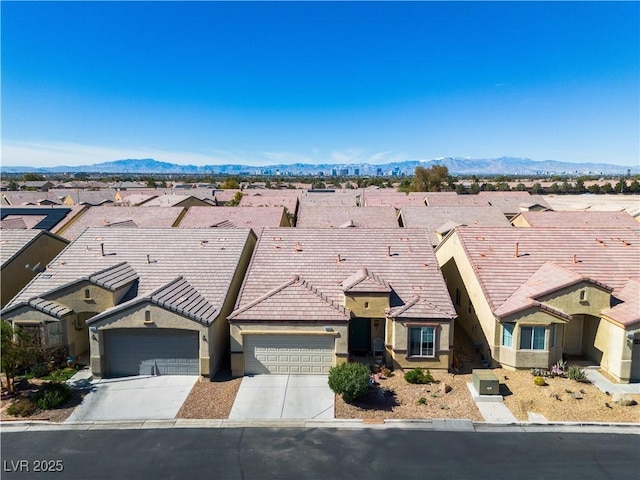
x: 485, y: 382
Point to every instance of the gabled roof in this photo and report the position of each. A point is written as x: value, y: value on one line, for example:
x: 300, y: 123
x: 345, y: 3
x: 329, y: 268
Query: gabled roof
x: 627, y: 313
x: 364, y: 281
x: 123, y: 223
x: 13, y: 223
x: 177, y: 296
x: 547, y: 279
x: 452, y: 199
x: 206, y: 258
x: 294, y: 300
x: 14, y: 242
x: 49, y: 307
x: 504, y: 259
x: 416, y: 309
x: 48, y: 218
x: 434, y: 218
x: 312, y: 216
x: 252, y: 217
x: 330, y: 259
x: 579, y: 219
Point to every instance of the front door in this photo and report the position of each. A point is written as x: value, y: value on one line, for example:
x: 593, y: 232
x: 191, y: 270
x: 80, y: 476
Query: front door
x: 360, y: 336
x: 572, y: 342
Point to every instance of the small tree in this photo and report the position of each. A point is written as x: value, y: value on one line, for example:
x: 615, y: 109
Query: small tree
x: 18, y: 350
x: 236, y: 200
x: 351, y: 380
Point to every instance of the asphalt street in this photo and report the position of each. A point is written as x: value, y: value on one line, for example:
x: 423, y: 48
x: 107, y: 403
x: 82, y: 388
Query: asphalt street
x: 296, y: 454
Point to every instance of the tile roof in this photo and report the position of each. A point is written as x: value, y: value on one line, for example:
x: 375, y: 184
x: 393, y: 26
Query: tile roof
x: 133, y: 216
x: 392, y: 198
x: 87, y: 197
x: 294, y: 300
x: 579, y: 219
x: 114, y: 277
x: 173, y: 200
x: 270, y: 198
x: 13, y: 242
x: 608, y: 203
x: 349, y: 198
x: 18, y: 223
x: 177, y: 296
x: 18, y: 199
x: 627, y: 313
x: 548, y: 278
x: 364, y: 281
x: 435, y: 218
x: 329, y: 259
x: 253, y: 217
x: 449, y: 199
x: 206, y: 258
x: 514, y: 202
x: 49, y: 307
x: 344, y: 217
x: 610, y: 256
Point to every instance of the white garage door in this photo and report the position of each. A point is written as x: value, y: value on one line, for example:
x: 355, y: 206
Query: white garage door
x: 132, y: 351
x: 288, y: 354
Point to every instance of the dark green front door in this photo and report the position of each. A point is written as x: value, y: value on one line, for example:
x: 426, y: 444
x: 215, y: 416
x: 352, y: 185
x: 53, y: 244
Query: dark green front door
x: 359, y: 336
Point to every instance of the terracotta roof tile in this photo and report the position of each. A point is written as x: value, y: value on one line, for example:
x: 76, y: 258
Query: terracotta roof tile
x: 344, y: 217
x: 579, y: 219
x: 252, y: 217
x: 627, y: 313
x: 326, y: 258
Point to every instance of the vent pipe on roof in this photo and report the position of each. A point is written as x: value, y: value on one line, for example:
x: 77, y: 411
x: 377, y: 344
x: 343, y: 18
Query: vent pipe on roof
x: 148, y: 258
x: 339, y: 259
x: 298, y: 247
x: 516, y: 253
x: 102, y: 249
x: 388, y: 250
x: 575, y: 258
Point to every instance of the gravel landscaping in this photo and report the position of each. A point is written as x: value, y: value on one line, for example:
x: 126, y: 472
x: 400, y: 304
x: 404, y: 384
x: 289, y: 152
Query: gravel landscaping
x: 405, y: 402
x: 211, y: 399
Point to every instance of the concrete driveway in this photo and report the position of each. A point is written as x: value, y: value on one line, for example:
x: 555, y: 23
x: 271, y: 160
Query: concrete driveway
x: 268, y: 397
x: 134, y: 398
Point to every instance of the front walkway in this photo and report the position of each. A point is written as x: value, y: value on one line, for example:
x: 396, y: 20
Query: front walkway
x: 600, y: 381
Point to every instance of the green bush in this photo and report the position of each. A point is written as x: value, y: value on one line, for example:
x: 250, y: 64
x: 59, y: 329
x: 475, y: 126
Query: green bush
x: 351, y: 380
x: 52, y: 395
x: 417, y: 375
x: 23, y: 407
x: 574, y: 372
x: 422, y: 401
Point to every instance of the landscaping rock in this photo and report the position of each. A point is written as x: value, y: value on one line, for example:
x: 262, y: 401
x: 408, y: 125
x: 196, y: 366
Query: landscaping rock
x: 576, y: 395
x: 624, y: 400
x: 444, y: 388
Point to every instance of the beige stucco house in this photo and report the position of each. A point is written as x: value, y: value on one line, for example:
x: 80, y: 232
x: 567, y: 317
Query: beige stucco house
x: 313, y: 298
x: 528, y: 296
x: 139, y: 301
x: 24, y: 253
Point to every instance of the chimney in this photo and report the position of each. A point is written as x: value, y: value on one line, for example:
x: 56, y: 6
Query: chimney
x: 517, y: 250
x: 102, y: 249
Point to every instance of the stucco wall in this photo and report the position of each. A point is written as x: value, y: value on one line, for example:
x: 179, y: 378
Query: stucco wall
x: 73, y: 297
x: 568, y: 299
x: 14, y: 276
x: 398, y: 347
x: 377, y: 304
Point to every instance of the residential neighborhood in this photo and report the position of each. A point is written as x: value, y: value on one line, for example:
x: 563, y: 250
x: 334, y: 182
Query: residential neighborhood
x: 295, y: 283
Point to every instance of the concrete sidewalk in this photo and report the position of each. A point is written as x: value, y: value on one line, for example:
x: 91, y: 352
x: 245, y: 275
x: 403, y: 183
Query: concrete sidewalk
x: 600, y: 381
x: 491, y: 407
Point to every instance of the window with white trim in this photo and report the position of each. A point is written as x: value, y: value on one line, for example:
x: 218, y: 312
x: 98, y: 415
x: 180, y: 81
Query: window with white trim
x: 532, y: 338
x: 422, y: 341
x: 54, y: 334
x: 507, y: 335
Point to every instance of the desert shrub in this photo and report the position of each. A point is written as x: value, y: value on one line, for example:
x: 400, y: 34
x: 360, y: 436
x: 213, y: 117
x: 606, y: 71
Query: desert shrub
x: 22, y: 408
x: 52, y: 395
x: 559, y: 369
x: 417, y: 375
x: 539, y: 372
x: 574, y: 372
x: 540, y: 381
x: 422, y: 401
x: 351, y: 380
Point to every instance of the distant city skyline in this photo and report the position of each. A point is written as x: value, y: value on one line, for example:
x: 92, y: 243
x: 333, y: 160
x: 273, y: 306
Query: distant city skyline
x: 259, y: 83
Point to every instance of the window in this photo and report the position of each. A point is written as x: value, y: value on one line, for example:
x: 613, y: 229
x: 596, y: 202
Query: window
x: 507, y: 335
x: 583, y: 295
x: 147, y: 316
x: 422, y: 342
x: 87, y: 294
x: 532, y: 338
x: 366, y: 304
x: 54, y: 334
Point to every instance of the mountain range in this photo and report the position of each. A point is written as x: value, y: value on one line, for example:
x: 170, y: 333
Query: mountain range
x: 456, y: 166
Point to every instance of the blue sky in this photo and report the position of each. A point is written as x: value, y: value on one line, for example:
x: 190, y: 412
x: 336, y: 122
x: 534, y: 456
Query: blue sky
x: 314, y: 82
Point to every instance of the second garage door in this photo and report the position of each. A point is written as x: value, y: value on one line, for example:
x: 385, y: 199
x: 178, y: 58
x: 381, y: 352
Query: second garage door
x: 133, y: 351
x: 288, y: 354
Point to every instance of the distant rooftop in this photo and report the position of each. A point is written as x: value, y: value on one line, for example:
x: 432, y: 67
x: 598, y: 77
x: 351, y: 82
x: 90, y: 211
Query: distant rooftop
x: 344, y: 217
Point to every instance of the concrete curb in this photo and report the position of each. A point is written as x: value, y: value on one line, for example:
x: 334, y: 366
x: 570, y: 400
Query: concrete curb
x: 355, y: 424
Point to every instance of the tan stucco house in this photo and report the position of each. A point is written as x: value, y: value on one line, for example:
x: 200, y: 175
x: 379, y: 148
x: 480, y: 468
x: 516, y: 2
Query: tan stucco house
x: 24, y: 253
x: 528, y: 296
x: 139, y: 301
x: 313, y: 298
